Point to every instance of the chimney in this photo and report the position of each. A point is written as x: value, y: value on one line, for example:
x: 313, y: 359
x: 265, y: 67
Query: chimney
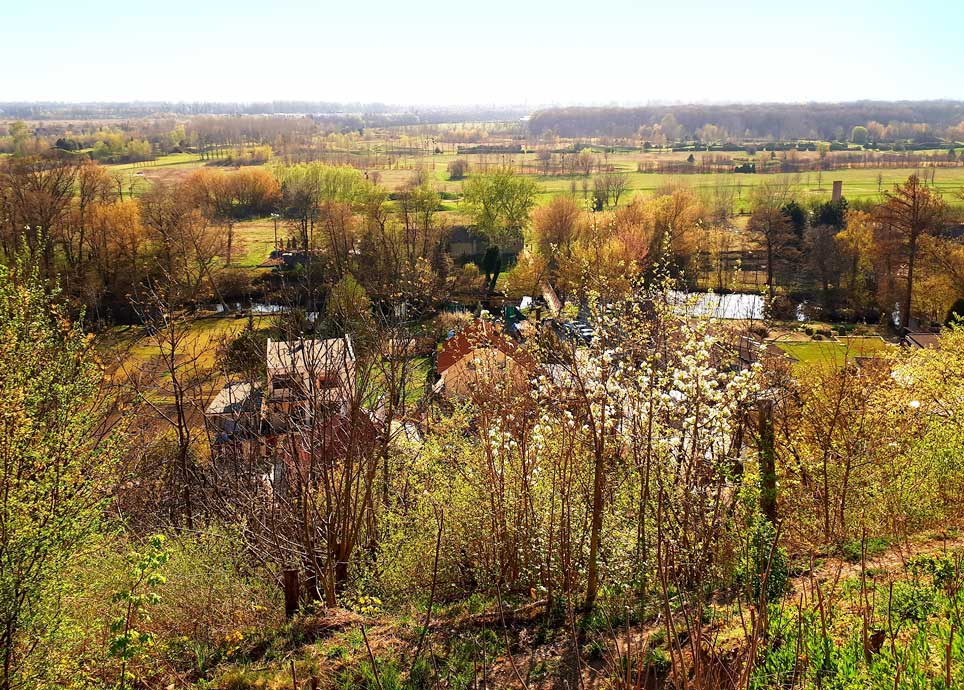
x: 837, y: 190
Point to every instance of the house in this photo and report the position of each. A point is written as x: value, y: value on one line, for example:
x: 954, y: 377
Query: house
x: 286, y: 260
x: 468, y: 244
x: 480, y: 352
x: 465, y: 243
x: 307, y: 378
x: 235, y: 412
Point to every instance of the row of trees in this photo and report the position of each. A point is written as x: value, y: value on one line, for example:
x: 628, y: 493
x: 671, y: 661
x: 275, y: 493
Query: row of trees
x: 876, y: 254
x: 774, y: 121
x: 75, y: 222
x: 856, y: 262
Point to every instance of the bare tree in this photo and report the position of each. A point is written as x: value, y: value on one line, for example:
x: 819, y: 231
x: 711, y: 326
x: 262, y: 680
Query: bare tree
x: 35, y: 193
x: 458, y: 169
x: 772, y: 227
x: 912, y: 210
x: 618, y: 184
x: 174, y: 385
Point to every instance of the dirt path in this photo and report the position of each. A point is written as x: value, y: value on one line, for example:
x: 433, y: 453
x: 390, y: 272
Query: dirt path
x: 834, y: 571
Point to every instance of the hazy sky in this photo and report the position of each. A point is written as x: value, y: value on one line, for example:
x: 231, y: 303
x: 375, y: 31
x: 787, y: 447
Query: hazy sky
x: 485, y: 52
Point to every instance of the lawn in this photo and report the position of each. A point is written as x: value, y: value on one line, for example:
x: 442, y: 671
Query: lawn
x: 865, y: 345
x: 835, y: 352
x: 858, y: 183
x: 253, y: 241
x: 130, y: 348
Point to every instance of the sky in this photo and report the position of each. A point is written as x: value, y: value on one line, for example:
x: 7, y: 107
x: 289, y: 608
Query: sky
x: 488, y: 52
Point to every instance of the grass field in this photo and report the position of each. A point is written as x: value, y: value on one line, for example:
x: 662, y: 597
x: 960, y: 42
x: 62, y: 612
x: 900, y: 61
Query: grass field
x: 138, y: 177
x: 858, y: 183
x: 835, y: 352
x: 254, y: 240
x: 130, y: 349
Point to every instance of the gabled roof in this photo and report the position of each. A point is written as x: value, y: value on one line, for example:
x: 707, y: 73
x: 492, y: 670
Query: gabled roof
x: 308, y: 356
x: 272, y: 262
x: 479, y: 334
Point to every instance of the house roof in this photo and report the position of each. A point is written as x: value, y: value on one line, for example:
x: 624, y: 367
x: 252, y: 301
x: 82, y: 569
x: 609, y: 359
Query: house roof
x: 465, y: 233
x: 922, y: 340
x: 272, y: 262
x: 305, y: 356
x: 479, y: 334
x: 236, y: 398
x: 751, y: 350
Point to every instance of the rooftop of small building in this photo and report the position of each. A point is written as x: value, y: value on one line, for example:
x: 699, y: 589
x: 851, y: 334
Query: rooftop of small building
x: 303, y: 356
x: 238, y: 397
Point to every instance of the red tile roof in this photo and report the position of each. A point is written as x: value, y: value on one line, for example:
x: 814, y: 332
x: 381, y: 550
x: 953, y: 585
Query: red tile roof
x: 478, y: 335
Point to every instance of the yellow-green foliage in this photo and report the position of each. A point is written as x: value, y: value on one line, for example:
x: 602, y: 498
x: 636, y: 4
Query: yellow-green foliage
x: 209, y: 608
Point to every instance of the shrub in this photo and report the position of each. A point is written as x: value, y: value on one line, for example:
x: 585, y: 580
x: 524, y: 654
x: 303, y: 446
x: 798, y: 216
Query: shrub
x: 782, y: 308
x: 872, y: 546
x: 760, y: 330
x: 763, y: 560
x: 913, y: 601
x: 458, y: 168
x: 658, y: 660
x: 238, y: 680
x: 956, y: 311
x: 245, y: 354
x: 942, y: 569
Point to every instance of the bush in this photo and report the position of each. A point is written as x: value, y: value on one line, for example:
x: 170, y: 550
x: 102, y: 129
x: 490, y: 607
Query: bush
x: 458, y: 168
x: 913, y: 602
x: 782, y: 308
x: 760, y: 330
x: 872, y: 546
x: 212, y: 604
x: 234, y: 285
x: 763, y: 559
x: 245, y: 354
x: 955, y: 312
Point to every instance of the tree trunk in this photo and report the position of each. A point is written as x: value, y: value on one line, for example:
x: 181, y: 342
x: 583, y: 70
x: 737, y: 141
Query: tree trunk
x: 770, y: 289
x: 908, y: 297
x: 292, y: 594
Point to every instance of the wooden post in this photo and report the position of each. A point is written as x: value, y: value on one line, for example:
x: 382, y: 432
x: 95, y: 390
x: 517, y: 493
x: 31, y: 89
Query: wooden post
x: 292, y: 595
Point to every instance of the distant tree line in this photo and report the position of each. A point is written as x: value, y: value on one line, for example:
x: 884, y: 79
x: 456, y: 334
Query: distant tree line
x: 371, y: 114
x: 768, y: 120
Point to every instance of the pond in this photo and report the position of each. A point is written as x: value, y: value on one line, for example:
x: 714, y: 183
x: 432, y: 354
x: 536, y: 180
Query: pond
x: 735, y: 305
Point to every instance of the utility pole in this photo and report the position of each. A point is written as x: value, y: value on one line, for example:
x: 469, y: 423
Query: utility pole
x: 275, y: 217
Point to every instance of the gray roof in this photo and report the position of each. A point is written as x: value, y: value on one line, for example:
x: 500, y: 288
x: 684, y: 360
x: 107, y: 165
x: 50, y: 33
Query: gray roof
x: 236, y: 398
